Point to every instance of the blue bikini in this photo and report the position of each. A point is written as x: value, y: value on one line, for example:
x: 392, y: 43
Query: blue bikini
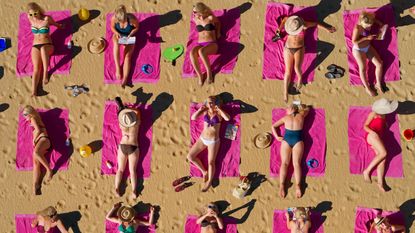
x: 292, y: 137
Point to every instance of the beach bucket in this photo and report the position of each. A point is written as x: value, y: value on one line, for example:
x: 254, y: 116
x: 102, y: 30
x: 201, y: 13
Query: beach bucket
x: 83, y: 14
x: 147, y: 68
x: 408, y: 134
x: 85, y: 151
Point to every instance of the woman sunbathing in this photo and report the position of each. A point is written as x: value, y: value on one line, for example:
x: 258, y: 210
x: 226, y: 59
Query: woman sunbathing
x: 126, y: 218
x: 125, y: 25
x: 210, y: 222
x: 46, y: 220
x: 42, y: 44
x: 374, y: 126
x: 382, y: 225
x: 299, y: 221
x: 212, y: 117
x: 41, y: 144
x: 208, y: 27
x: 363, y: 50
x: 292, y: 144
x: 294, y: 48
x: 128, y: 150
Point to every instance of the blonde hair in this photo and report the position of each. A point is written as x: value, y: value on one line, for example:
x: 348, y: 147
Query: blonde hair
x: 201, y: 8
x: 49, y: 213
x: 120, y: 13
x: 29, y: 110
x: 366, y: 18
x: 35, y: 7
x: 300, y: 213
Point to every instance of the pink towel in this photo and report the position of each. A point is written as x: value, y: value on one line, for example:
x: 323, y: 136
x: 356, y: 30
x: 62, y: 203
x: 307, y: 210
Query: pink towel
x: 57, y: 125
x: 228, y: 157
x: 314, y: 136
x: 61, y: 59
x: 112, y: 135
x: 192, y: 227
x: 274, y: 67
x: 387, y: 48
x: 147, y: 50
x: 111, y: 227
x: 360, y: 152
x: 280, y: 222
x: 225, y: 60
x: 365, y: 216
x: 24, y: 221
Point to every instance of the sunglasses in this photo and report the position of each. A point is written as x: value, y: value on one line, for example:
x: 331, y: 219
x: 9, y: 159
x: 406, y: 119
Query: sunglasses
x: 212, y: 207
x: 25, y: 114
x: 34, y: 14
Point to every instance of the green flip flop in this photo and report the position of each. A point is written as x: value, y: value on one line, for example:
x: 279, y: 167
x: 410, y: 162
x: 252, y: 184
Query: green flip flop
x: 172, y: 53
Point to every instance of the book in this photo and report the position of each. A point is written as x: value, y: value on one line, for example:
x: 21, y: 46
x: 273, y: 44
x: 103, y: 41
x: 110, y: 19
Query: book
x: 231, y: 131
x: 382, y: 32
x: 124, y: 40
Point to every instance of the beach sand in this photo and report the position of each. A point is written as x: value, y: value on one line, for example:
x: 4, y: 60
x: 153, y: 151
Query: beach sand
x: 84, y: 190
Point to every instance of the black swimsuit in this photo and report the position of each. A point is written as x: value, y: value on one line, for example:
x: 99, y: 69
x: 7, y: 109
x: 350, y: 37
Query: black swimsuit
x: 127, y: 149
x: 207, y: 27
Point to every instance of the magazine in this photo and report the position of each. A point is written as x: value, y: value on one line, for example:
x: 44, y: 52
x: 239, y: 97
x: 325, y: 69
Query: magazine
x: 231, y: 131
x: 126, y: 40
x: 382, y: 32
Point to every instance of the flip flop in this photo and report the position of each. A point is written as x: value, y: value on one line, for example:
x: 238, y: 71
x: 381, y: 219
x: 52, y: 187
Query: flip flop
x: 183, y: 186
x: 336, y: 69
x: 331, y: 75
x: 181, y: 180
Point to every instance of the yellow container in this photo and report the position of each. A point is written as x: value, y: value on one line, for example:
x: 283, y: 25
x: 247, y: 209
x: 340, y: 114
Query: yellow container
x: 85, y: 151
x: 83, y: 14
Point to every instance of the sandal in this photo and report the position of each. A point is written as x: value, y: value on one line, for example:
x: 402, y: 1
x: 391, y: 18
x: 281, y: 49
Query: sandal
x: 331, y: 75
x: 181, y: 180
x: 336, y: 69
x: 183, y: 186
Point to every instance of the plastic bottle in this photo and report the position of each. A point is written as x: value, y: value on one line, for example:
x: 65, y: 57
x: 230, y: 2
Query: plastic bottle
x: 69, y: 45
x: 68, y: 142
x: 109, y: 165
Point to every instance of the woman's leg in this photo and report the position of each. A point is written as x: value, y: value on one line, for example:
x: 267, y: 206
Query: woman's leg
x: 132, y: 164
x: 116, y: 52
x: 36, y: 176
x: 39, y: 154
x: 289, y: 62
x: 285, y: 162
x: 128, y: 53
x: 381, y: 175
x: 298, y: 62
x: 194, y: 58
x: 37, y: 67
x: 376, y: 142
x: 212, y: 153
x: 377, y: 61
x: 361, y: 62
x: 46, y: 51
x: 298, y: 151
x: 193, y: 157
x: 121, y: 163
x: 203, y: 53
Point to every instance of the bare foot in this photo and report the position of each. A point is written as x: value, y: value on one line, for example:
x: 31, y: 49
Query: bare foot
x: 201, y: 79
x: 370, y: 91
x: 205, y: 176
x: 382, y: 187
x: 366, y: 176
x: 209, y: 78
x: 135, y: 194
x: 285, y: 97
x: 117, y: 192
x: 379, y: 88
x: 118, y: 73
x: 298, y: 192
x: 299, y: 85
x: 207, y: 186
x: 124, y: 83
x: 36, y: 189
x: 49, y: 175
x: 45, y: 79
x: 282, y: 191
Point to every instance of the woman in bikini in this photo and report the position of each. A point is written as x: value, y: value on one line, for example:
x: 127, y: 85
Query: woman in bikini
x: 212, y: 117
x: 382, y: 225
x: 47, y: 220
x: 208, y: 27
x: 292, y: 144
x: 299, y: 221
x: 41, y: 144
x: 294, y: 49
x: 42, y: 44
x: 123, y: 24
x: 128, y: 150
x: 125, y: 216
x: 363, y: 50
x: 210, y: 222
x: 374, y: 126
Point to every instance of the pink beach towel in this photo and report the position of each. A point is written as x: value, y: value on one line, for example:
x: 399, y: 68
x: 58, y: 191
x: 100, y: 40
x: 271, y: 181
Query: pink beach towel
x: 192, y: 227
x: 112, y: 135
x: 387, y: 48
x: 146, y: 51
x: 360, y: 152
x: 57, y: 125
x: 365, y: 216
x: 228, y: 157
x: 280, y: 222
x: 273, y: 67
x: 61, y: 59
x: 225, y: 60
x: 314, y: 136
x: 24, y: 221
x: 111, y: 227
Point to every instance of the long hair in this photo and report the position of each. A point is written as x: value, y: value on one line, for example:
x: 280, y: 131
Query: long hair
x: 29, y: 110
x: 35, y: 7
x: 49, y: 213
x: 201, y: 8
x: 120, y: 13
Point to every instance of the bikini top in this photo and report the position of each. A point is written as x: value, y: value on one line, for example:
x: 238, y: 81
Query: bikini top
x: 206, y: 223
x: 129, y: 229
x: 207, y: 27
x: 365, y: 32
x: 41, y: 30
x: 124, y: 31
x: 211, y: 121
x: 378, y: 125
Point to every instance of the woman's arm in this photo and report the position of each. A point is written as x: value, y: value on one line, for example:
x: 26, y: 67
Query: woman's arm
x: 201, y: 218
x: 222, y: 113
x: 281, y: 26
x: 150, y: 219
x: 275, y: 126
x: 304, y: 110
x: 287, y: 216
x: 219, y: 221
x: 61, y: 227
x: 52, y: 22
x: 199, y: 112
x: 367, y: 122
x: 372, y: 227
x: 218, y: 27
x: 35, y: 221
x: 113, y: 27
x: 36, y: 127
x: 308, y: 24
x: 110, y: 215
x: 135, y: 23
x: 356, y: 38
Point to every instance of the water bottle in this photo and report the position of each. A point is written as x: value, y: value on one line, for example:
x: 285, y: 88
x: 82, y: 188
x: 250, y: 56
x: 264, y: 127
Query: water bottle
x: 69, y: 45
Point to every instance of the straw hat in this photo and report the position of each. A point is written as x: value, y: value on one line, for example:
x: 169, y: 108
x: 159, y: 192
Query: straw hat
x: 97, y: 45
x: 126, y: 213
x: 263, y: 140
x: 127, y: 118
x: 294, y: 25
x: 384, y: 106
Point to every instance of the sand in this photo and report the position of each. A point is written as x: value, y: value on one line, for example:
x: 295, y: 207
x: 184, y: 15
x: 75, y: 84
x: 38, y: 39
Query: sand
x: 83, y: 191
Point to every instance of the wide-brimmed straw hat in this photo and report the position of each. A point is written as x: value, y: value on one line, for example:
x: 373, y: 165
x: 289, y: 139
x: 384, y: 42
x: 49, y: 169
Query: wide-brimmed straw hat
x: 126, y: 213
x: 384, y: 106
x: 263, y: 140
x: 127, y: 118
x: 97, y: 45
x: 294, y: 25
